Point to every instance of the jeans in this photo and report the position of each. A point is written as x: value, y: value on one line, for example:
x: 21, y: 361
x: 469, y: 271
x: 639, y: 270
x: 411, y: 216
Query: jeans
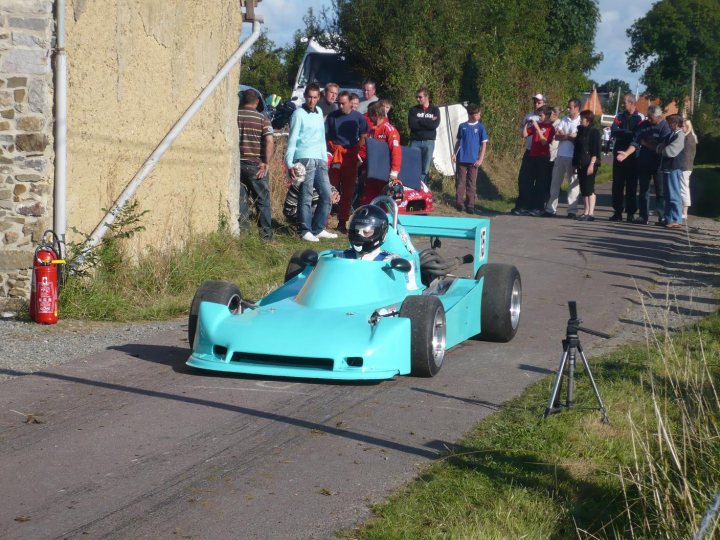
x: 563, y: 169
x: 644, y: 199
x: 673, y: 200
x: 316, y: 177
x: 259, y: 189
x: 426, y: 153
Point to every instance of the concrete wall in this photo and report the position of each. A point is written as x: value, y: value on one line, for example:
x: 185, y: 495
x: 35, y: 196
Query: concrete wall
x: 134, y: 66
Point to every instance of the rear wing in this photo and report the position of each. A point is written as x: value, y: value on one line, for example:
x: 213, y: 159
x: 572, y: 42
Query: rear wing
x: 450, y: 227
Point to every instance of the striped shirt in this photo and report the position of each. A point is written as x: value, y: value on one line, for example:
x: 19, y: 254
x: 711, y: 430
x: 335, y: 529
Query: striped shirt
x: 253, y: 128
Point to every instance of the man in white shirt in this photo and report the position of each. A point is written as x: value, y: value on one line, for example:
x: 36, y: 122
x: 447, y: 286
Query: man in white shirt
x: 563, y: 168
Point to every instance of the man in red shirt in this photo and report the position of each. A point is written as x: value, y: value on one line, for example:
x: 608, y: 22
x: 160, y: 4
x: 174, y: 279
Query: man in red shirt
x: 383, y: 130
x: 541, y: 134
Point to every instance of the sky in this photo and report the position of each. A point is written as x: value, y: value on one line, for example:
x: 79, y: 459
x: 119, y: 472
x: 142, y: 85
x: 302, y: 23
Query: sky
x: 283, y: 17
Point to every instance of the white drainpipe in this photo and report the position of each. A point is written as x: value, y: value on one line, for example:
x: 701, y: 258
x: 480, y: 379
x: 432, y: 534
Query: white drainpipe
x: 164, y: 145
x: 59, y: 198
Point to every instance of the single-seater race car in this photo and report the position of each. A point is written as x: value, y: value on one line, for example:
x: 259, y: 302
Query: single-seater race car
x: 337, y: 317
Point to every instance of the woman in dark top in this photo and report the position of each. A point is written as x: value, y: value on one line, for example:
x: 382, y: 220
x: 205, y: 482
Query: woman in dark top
x: 587, y: 160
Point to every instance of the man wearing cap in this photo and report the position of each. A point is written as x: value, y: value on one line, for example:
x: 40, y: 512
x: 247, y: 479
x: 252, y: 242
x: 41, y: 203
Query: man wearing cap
x: 524, y: 200
x: 256, y: 149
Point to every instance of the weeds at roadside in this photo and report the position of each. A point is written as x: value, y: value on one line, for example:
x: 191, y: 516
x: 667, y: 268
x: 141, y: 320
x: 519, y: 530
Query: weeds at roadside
x: 652, y: 473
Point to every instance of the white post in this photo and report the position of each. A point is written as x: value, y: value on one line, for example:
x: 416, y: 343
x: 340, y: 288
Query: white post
x: 60, y: 188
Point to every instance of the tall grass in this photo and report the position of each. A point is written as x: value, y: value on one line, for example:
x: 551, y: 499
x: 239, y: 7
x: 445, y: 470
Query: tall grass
x: 676, y: 443
x: 652, y: 473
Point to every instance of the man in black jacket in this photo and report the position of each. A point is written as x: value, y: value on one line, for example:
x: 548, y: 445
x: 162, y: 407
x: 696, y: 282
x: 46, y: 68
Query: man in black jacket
x: 423, y: 120
x: 625, y: 174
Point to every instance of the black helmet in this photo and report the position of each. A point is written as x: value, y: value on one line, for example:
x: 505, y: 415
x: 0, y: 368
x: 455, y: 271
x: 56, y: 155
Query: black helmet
x: 395, y: 191
x: 368, y: 227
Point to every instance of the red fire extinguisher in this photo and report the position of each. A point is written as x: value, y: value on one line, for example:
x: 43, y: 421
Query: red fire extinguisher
x: 46, y: 280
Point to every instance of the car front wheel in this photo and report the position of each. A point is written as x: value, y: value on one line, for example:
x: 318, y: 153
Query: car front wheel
x: 218, y: 292
x: 427, y: 334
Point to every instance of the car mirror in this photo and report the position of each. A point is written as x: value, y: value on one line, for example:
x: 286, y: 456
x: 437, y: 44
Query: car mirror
x: 309, y: 257
x: 400, y: 264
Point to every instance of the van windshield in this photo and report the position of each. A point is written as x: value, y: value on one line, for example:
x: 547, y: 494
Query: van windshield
x: 323, y: 68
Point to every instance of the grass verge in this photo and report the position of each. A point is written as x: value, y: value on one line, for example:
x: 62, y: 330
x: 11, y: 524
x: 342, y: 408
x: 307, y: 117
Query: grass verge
x: 651, y: 473
x: 161, y: 283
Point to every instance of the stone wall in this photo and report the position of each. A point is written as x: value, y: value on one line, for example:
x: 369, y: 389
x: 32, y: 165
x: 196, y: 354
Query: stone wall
x: 134, y: 66
x: 26, y: 31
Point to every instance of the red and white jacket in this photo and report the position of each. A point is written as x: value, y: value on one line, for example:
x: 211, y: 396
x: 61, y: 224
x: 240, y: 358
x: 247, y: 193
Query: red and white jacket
x: 385, y: 131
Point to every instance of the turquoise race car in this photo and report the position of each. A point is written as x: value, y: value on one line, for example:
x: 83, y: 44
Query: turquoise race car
x: 350, y: 319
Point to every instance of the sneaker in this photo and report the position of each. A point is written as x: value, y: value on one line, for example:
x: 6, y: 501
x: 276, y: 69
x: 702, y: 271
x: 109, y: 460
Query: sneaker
x: 548, y: 214
x: 535, y: 213
x: 524, y: 212
x: 615, y: 217
x: 310, y: 237
x: 572, y: 215
x: 517, y: 211
x: 590, y: 218
x: 584, y: 217
x: 640, y: 221
x: 673, y: 226
x: 326, y: 234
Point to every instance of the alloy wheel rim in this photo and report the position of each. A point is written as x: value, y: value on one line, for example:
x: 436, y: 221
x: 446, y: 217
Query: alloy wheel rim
x: 515, y: 304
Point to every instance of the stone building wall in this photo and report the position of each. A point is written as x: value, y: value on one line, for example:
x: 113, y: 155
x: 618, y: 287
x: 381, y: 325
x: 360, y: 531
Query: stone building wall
x: 26, y: 31
x: 134, y: 66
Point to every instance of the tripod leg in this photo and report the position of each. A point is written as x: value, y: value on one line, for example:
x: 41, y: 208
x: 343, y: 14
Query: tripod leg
x: 572, y: 353
x: 605, y: 418
x: 552, y: 403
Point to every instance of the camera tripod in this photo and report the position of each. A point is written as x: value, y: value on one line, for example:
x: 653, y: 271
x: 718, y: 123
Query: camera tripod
x: 571, y: 346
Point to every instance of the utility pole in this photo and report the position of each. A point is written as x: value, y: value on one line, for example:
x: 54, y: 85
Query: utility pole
x: 692, y: 88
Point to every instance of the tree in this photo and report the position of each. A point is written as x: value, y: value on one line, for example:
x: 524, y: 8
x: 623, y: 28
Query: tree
x: 612, y: 85
x: 667, y: 40
x: 494, y: 51
x: 263, y: 67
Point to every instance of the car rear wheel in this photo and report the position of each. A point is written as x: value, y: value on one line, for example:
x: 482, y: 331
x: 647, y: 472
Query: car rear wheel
x: 427, y: 334
x: 501, y: 302
x: 218, y: 292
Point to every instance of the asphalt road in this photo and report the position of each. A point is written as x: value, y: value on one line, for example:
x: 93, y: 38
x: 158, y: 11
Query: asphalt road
x: 132, y: 444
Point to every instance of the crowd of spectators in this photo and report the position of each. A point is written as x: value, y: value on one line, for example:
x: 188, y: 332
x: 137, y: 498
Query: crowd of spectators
x: 653, y: 149
x: 326, y: 152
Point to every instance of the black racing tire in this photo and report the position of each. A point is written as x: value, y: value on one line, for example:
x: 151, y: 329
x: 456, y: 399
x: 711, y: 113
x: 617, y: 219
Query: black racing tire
x: 427, y: 334
x: 501, y: 302
x: 218, y: 292
x: 297, y: 263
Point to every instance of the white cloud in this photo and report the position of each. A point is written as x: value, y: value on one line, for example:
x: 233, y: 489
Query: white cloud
x: 612, y: 41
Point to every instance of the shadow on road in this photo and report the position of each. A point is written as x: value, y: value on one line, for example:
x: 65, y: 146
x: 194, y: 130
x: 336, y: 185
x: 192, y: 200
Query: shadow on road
x: 264, y: 415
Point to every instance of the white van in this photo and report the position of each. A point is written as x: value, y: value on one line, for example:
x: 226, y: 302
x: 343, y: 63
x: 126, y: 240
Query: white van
x: 322, y: 65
